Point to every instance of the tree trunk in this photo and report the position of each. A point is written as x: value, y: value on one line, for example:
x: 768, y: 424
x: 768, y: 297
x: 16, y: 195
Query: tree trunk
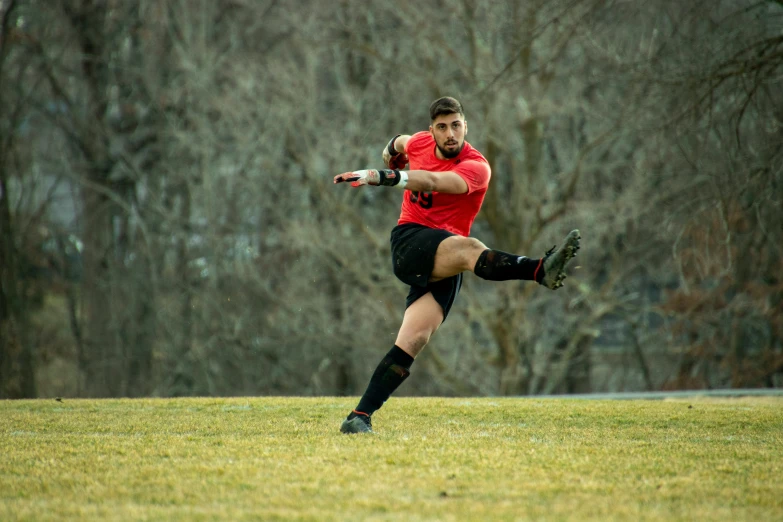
x: 17, y: 376
x: 100, y: 358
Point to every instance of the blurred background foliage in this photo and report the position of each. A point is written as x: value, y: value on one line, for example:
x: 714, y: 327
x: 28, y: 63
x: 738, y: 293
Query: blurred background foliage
x: 169, y: 227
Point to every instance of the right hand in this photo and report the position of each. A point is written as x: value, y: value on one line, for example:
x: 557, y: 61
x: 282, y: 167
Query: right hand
x: 357, y: 178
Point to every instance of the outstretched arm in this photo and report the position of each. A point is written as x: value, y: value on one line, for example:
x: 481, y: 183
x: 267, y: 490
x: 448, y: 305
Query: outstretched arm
x: 444, y: 182
x: 416, y: 180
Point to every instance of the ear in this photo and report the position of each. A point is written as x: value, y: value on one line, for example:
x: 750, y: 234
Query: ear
x: 432, y: 132
x: 466, y: 127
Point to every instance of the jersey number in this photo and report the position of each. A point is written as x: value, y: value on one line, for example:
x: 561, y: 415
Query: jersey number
x: 424, y: 199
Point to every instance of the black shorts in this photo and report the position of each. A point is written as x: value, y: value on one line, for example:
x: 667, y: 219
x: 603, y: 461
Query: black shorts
x: 413, y: 250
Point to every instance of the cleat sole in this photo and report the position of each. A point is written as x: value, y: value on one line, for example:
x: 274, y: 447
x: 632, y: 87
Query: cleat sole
x: 555, y: 263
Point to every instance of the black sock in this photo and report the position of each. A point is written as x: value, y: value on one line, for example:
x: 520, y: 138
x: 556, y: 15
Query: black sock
x: 495, y: 265
x: 392, y: 370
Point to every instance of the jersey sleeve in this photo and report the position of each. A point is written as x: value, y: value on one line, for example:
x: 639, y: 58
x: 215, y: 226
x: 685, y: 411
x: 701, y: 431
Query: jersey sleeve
x: 413, y: 144
x: 475, y: 173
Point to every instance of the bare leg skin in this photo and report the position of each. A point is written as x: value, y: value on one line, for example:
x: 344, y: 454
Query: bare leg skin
x: 456, y: 254
x: 421, y: 320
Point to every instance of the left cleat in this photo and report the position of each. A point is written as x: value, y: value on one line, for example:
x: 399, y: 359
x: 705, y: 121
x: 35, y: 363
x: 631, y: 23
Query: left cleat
x: 555, y: 261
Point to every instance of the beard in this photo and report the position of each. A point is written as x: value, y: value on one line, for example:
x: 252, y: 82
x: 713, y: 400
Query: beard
x: 449, y: 154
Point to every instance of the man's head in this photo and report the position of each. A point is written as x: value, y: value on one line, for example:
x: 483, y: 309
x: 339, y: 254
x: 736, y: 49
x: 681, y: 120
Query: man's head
x: 448, y: 126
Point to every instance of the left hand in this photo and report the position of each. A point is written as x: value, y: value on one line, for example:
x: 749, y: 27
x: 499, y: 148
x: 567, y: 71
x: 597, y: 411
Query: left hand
x: 360, y: 177
x: 387, y: 155
x: 398, y: 162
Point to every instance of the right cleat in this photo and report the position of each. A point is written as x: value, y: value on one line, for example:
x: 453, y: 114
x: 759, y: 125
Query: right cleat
x: 358, y: 424
x: 555, y: 261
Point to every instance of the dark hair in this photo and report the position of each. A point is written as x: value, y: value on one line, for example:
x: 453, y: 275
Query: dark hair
x: 445, y: 105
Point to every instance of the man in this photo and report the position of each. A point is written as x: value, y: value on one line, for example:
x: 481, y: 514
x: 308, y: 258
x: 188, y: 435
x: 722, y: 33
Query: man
x: 431, y: 247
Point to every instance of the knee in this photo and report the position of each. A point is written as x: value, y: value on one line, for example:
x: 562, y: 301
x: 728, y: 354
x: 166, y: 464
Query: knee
x: 471, y: 250
x: 466, y: 243
x: 416, y: 341
x: 474, y: 245
x: 421, y: 338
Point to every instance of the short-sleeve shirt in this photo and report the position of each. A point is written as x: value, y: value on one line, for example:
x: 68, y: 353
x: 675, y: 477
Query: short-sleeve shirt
x: 452, y: 212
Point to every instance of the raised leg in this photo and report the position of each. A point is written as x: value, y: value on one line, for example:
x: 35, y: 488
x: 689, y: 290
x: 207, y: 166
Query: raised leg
x: 455, y: 255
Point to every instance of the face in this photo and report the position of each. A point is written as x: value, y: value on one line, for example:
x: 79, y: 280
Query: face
x: 449, y: 132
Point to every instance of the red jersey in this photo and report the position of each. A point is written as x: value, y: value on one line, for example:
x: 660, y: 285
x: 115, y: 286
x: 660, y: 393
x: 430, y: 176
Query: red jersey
x: 452, y: 212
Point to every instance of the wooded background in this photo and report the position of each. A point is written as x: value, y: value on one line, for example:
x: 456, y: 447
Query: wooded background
x: 169, y: 226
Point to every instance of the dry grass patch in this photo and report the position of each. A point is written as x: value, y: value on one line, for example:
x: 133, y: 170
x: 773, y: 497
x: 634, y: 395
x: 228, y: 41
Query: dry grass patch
x: 430, y: 459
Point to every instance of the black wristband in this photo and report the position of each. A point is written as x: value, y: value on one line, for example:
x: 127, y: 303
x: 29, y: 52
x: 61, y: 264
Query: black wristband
x: 389, y: 177
x: 390, y: 146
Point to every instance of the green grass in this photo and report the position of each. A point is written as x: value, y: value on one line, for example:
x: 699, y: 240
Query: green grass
x: 430, y: 459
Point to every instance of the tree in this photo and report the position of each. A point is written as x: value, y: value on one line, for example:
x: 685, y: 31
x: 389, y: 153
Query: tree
x: 16, y: 357
x: 199, y: 142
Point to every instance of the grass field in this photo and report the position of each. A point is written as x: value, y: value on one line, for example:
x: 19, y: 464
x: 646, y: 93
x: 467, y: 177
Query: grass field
x: 430, y: 459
